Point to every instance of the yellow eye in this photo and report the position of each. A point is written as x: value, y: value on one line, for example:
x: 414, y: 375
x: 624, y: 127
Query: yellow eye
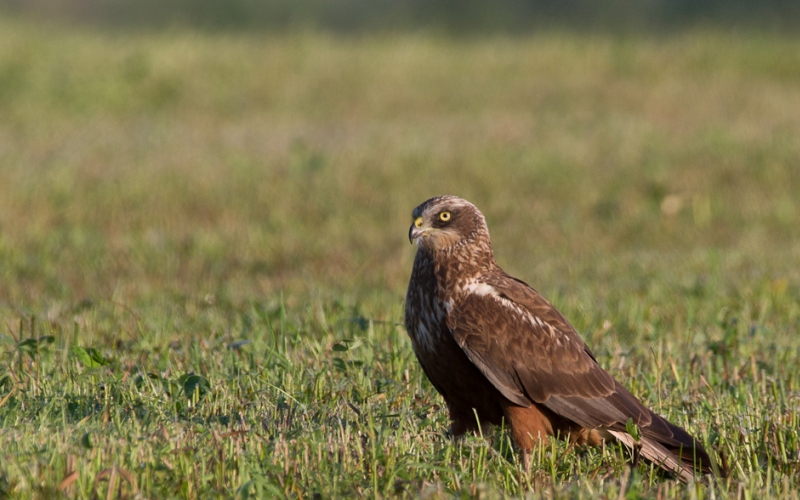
x: 444, y: 216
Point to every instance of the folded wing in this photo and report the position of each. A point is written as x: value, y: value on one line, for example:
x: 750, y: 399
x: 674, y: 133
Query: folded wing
x: 531, y: 353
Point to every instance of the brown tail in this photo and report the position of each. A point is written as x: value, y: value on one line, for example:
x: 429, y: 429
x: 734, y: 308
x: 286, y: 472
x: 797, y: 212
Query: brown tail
x: 690, y: 452
x: 671, y: 447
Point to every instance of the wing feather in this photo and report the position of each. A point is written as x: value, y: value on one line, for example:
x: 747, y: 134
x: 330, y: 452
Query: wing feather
x: 531, y: 353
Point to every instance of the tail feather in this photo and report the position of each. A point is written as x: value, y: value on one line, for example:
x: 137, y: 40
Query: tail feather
x: 690, y: 452
x: 658, y: 454
x: 676, y: 451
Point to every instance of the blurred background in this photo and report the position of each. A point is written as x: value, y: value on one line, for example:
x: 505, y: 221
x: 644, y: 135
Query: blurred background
x: 204, y: 210
x: 466, y: 17
x: 240, y: 150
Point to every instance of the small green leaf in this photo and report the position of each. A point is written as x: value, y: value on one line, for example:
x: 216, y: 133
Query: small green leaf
x: 89, y: 357
x: 362, y: 322
x: 632, y: 429
x: 339, y: 364
x: 96, y: 356
x: 140, y: 379
x: 193, y: 383
x: 243, y: 491
x: 86, y: 442
x: 33, y: 345
x: 281, y: 403
x: 82, y: 355
x: 347, y: 345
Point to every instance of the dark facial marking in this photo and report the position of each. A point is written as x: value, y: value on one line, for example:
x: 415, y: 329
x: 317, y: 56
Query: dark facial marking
x: 437, y: 219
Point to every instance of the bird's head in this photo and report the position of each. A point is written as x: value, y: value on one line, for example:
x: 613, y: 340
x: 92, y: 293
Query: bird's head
x: 446, y: 222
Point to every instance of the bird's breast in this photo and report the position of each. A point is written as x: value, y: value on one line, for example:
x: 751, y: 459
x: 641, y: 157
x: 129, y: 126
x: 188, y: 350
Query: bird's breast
x: 426, y: 324
x: 425, y: 315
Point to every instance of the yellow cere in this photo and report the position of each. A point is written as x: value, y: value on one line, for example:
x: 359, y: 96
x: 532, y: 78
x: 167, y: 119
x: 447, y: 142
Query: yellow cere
x: 418, y: 222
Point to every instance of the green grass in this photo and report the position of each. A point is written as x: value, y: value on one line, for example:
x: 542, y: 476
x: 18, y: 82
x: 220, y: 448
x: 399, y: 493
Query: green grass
x: 203, y: 254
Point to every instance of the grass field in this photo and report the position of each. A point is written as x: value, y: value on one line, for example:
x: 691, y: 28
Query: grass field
x: 203, y: 254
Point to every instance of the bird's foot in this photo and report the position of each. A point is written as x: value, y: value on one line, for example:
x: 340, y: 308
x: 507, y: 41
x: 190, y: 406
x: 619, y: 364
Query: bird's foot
x: 526, y: 460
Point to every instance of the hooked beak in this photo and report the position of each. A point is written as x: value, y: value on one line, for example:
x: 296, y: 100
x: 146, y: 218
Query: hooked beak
x: 416, y: 231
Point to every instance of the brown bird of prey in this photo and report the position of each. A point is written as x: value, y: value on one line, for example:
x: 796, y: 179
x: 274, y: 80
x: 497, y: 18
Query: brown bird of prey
x: 497, y: 350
